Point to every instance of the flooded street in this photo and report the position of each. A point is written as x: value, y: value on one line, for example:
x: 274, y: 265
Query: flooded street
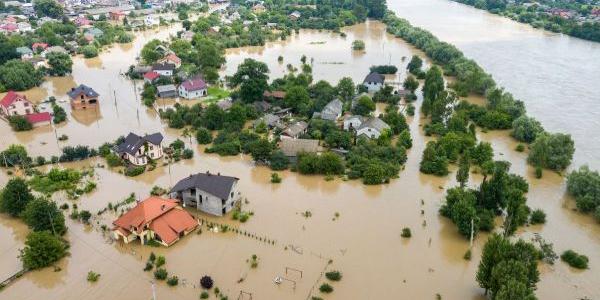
x: 363, y: 243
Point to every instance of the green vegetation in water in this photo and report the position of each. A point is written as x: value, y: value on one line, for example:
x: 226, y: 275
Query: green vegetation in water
x: 92, y: 276
x: 275, y: 178
x: 326, y: 288
x: 406, y: 233
x: 575, y: 259
x: 334, y: 275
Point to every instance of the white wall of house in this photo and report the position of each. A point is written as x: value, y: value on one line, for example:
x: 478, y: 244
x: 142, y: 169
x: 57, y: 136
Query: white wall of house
x: 141, y: 156
x: 368, y: 132
x: 209, y: 203
x: 19, y: 107
x: 193, y: 94
x: 373, y: 87
x: 164, y: 72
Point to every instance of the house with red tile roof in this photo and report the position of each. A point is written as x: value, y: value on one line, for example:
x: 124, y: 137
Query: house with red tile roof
x: 155, y: 219
x: 151, y: 76
x: 171, y: 58
x: 82, y: 21
x: 116, y: 15
x: 13, y: 104
x: 193, y: 88
x: 39, y: 46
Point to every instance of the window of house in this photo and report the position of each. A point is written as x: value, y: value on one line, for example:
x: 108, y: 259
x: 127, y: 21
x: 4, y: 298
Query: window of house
x: 232, y: 194
x: 193, y: 192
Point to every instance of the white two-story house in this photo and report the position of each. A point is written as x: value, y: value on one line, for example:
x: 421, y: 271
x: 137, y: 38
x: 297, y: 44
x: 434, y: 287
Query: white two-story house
x: 138, y: 150
x: 211, y: 193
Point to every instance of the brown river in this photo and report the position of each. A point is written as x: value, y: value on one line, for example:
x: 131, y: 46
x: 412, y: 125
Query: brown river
x: 364, y: 242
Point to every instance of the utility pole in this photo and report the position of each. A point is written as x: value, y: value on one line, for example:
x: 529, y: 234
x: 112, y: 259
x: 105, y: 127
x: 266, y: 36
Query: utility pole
x: 472, y: 231
x: 153, y: 290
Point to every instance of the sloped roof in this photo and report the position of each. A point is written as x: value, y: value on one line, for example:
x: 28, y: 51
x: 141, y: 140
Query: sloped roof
x: 145, y: 212
x: 296, y: 128
x: 10, y: 97
x: 194, y: 84
x: 82, y: 89
x: 375, y: 77
x: 163, y: 67
x: 38, y: 117
x: 374, y: 122
x: 274, y: 94
x: 23, y: 50
x: 151, y: 75
x: 214, y: 184
x: 169, y: 225
x: 166, y: 88
x: 133, y: 142
x: 291, y: 147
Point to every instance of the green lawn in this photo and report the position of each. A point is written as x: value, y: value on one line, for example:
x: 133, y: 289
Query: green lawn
x: 215, y: 94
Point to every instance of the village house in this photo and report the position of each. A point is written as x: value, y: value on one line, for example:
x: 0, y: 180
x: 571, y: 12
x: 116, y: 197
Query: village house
x: 151, y: 21
x: 151, y: 77
x: 370, y: 127
x: 83, y: 97
x: 154, y: 219
x: 39, y: 47
x: 13, y: 104
x: 214, y: 194
x: 274, y: 95
x: 295, y: 130
x: 173, y: 59
x: 258, y: 8
x: 261, y: 106
x: 225, y: 104
x: 270, y: 120
x: 374, y: 82
x: 93, y: 33
x: 187, y: 36
x: 82, y: 21
x: 167, y: 91
x: 193, y: 88
x: 37, y: 62
x: 332, y: 111
x: 54, y: 49
x: 116, y: 15
x: 294, y: 16
x: 164, y: 69
x: 292, y: 147
x: 25, y: 53
x: 138, y: 149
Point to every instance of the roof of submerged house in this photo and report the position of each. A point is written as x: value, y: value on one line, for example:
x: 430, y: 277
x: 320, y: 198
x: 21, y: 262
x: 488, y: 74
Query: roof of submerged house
x: 82, y: 89
x: 38, y: 117
x: 11, y: 97
x: 133, y: 142
x: 374, y: 77
x: 194, y: 84
x: 291, y: 147
x: 214, y: 184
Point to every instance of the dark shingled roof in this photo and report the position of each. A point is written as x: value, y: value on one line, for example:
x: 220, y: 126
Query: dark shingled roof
x: 374, y: 77
x: 213, y: 184
x: 82, y: 89
x: 133, y: 142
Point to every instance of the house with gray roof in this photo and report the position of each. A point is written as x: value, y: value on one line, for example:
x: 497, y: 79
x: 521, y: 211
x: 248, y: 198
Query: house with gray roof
x: 139, y: 150
x: 374, y: 82
x: 25, y: 52
x: 292, y: 147
x: 295, y: 130
x: 54, y: 49
x: 83, y: 97
x: 372, y: 128
x: 332, y: 111
x: 167, y: 91
x: 214, y: 194
x: 270, y: 120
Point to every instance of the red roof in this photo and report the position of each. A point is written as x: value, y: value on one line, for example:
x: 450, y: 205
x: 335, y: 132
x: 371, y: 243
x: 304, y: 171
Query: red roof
x: 274, y: 94
x: 163, y: 216
x: 151, y: 75
x: 173, y: 58
x: 10, y: 27
x: 39, y: 45
x: 194, y: 84
x: 117, y: 13
x: 39, y: 117
x: 81, y: 21
x: 10, y: 97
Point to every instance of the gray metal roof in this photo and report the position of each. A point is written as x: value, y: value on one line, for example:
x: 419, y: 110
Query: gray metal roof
x: 374, y: 122
x: 133, y: 142
x: 166, y: 88
x: 214, y: 184
x: 82, y: 89
x: 375, y: 77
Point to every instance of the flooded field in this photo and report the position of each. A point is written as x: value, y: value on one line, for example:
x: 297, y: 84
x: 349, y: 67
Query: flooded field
x: 364, y: 242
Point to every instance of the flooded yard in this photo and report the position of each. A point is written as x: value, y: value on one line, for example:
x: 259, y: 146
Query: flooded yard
x: 363, y: 243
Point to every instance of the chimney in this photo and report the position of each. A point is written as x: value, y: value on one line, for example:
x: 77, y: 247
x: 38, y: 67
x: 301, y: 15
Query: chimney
x: 219, y: 174
x: 162, y: 207
x: 207, y: 172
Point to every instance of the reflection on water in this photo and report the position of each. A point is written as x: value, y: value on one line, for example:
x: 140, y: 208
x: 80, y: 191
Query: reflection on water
x: 364, y: 241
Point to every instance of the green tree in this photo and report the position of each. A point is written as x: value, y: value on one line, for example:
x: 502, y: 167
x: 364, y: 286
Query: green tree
x: 15, y: 197
x: 462, y: 175
x: 48, y: 8
x: 15, y: 155
x: 434, y: 160
x: 19, y: 75
x: 346, y: 88
x: 364, y: 106
x: 552, y: 151
x: 513, y: 289
x: 526, y: 129
x: 432, y: 89
x: 151, y: 52
x: 584, y: 185
x: 42, y: 249
x: 19, y: 123
x: 89, y: 51
x: 279, y: 161
x: 251, y: 77
x: 41, y: 214
x: 203, y: 136
x: 298, y: 99
x: 415, y: 64
x: 260, y: 150
x: 411, y: 83
x: 60, y: 63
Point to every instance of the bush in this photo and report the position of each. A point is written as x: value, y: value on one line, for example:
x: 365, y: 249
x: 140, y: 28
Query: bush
x: 187, y: 154
x: 275, y: 178
x: 203, y: 136
x: 59, y: 114
x: 520, y: 148
x: 160, y: 261
x: 85, y: 216
x: 552, y: 151
x: 19, y: 123
x: 204, y: 295
x: 135, y: 171
x: 597, y: 214
x: 358, y: 45
x: 89, y: 51
x: 279, y: 161
x: 575, y: 260
x: 161, y: 274
x: 406, y: 233
x: 384, y: 69
x: 539, y: 172
x: 326, y: 288
x: 148, y: 266
x: 206, y: 282
x: 334, y: 275
x: 537, y: 216
x: 526, y: 129
x: 173, y: 281
x: 42, y: 249
x: 93, y: 276
x: 113, y: 160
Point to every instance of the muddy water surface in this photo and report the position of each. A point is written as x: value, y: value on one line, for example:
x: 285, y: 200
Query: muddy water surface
x: 363, y: 242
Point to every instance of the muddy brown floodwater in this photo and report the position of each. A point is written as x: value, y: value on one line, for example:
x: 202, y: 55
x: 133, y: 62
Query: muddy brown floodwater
x: 363, y: 242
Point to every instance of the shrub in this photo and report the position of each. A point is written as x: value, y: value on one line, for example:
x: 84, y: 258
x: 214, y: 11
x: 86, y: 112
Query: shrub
x: 173, y: 281
x: 42, y: 249
x: 203, y: 136
x: 89, y: 51
x: 85, y: 216
x: 467, y: 255
x: 93, y: 276
x: 597, y: 214
x: 113, y: 160
x: 135, y: 171
x: 148, y: 266
x: 537, y: 216
x: 539, y: 172
x: 334, y: 275
x: 160, y: 274
x: 575, y: 259
x: 275, y: 178
x: 358, y: 45
x: 206, y: 282
x: 187, y: 154
x: 19, y: 123
x: 520, y: 148
x: 406, y: 233
x: 204, y: 295
x: 160, y: 261
x: 326, y: 288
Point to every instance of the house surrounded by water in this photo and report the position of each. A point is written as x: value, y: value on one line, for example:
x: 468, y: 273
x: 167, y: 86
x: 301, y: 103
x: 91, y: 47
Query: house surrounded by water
x: 83, y: 97
x: 214, y: 194
x: 138, y: 150
x: 374, y: 82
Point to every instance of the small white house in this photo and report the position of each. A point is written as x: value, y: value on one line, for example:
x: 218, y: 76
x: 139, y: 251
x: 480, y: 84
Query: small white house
x: 374, y: 82
x: 193, y: 88
x: 14, y: 104
x: 353, y: 122
x: 211, y: 193
x: 25, y: 53
x: 151, y: 20
x: 372, y: 128
x: 138, y: 150
x: 164, y: 69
